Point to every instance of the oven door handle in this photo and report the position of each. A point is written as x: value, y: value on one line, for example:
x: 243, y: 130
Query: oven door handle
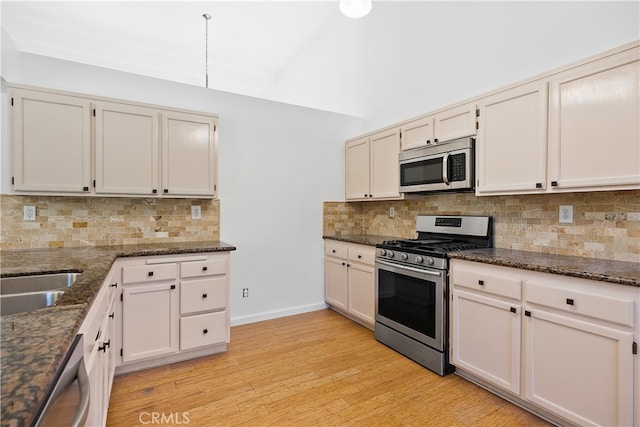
x: 415, y: 270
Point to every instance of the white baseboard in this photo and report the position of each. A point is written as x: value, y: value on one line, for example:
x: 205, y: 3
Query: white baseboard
x: 266, y: 315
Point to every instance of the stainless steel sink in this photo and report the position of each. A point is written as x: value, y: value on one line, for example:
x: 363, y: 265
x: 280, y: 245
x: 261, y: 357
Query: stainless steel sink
x: 26, y: 293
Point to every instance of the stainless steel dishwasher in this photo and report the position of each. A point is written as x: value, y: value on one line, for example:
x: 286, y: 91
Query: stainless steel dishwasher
x: 67, y: 401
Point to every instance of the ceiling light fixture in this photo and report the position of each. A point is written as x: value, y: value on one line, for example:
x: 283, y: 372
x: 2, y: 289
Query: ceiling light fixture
x: 207, y: 18
x: 355, y: 8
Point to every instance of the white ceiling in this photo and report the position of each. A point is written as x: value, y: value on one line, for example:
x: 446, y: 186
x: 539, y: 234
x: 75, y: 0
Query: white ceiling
x: 306, y: 53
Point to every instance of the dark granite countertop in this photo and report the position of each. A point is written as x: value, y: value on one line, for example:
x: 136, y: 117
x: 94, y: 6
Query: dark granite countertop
x: 620, y: 272
x: 33, y: 344
x: 361, y: 239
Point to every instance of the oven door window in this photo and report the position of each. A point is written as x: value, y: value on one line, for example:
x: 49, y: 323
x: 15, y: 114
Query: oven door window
x: 411, y: 302
x: 428, y: 171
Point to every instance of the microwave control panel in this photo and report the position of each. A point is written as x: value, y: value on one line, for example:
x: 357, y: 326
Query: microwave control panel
x: 458, y: 167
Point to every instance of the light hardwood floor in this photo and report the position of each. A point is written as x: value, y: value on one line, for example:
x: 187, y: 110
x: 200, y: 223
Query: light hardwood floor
x: 313, y: 369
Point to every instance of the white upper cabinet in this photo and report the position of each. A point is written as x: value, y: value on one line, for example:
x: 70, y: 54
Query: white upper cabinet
x: 51, y: 142
x: 77, y: 144
x: 127, y: 147
x: 189, y: 152
x: 511, y: 147
x: 594, y: 132
x: 446, y: 125
x: 371, y: 166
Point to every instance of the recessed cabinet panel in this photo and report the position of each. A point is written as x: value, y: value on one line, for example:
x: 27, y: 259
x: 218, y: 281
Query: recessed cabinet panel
x: 455, y: 123
x: 417, y: 133
x: 512, y: 141
x: 361, y: 296
x: 188, y: 155
x: 385, y: 178
x: 51, y: 142
x: 127, y: 148
x: 335, y: 274
x: 357, y: 169
x: 579, y: 370
x: 595, y: 124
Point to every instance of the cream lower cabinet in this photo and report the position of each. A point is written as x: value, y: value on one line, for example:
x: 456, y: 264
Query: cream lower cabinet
x: 99, y: 330
x: 350, y: 280
x: 566, y: 350
x: 485, y: 325
x: 371, y: 167
x: 173, y: 308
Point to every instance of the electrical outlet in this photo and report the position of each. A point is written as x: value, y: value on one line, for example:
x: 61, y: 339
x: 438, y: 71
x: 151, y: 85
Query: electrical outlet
x: 245, y: 292
x: 196, y: 212
x: 565, y: 214
x: 392, y: 212
x: 29, y: 213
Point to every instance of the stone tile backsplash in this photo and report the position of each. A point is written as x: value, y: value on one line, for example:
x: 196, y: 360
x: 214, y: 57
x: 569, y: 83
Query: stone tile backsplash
x: 97, y: 221
x: 606, y: 224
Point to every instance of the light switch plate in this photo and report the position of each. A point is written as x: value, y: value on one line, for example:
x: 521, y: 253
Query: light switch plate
x: 29, y: 213
x: 196, y: 212
x: 565, y: 214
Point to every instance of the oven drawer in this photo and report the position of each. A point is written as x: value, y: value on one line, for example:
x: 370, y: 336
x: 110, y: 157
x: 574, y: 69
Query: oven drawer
x: 489, y: 280
x: 604, y: 307
x: 363, y: 254
x: 335, y: 249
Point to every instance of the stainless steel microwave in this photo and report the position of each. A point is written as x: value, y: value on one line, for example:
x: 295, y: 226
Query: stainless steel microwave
x: 441, y: 167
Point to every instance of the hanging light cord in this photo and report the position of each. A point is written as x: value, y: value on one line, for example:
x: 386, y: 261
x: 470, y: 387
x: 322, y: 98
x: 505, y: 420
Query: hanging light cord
x: 206, y: 17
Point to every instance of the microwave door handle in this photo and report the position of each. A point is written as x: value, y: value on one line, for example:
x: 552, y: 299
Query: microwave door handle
x: 445, y: 169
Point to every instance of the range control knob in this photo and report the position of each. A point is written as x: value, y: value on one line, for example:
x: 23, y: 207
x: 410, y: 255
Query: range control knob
x: 383, y: 252
x: 419, y: 259
x: 404, y: 257
x: 429, y: 260
x: 390, y: 254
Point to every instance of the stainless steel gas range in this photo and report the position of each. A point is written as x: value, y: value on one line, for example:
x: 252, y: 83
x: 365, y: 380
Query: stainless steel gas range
x: 412, y: 286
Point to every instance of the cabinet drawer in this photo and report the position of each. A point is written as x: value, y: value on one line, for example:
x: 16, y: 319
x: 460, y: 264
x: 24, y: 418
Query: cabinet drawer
x: 509, y: 287
x: 363, y: 254
x: 602, y: 307
x: 149, y: 273
x: 338, y: 250
x: 203, y: 295
x: 204, y: 329
x: 210, y: 267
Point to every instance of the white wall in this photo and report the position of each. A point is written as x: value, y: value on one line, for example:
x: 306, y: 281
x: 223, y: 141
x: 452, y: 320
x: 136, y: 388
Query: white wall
x: 277, y: 164
x: 407, y: 58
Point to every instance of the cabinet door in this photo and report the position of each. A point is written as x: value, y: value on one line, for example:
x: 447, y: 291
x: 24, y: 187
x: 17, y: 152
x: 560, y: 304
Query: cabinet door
x: 417, y: 133
x: 595, y: 124
x: 512, y: 141
x: 335, y: 282
x: 149, y: 321
x: 579, y: 370
x: 51, y: 142
x: 127, y: 148
x: 455, y: 123
x: 189, y: 155
x: 361, y: 296
x: 385, y: 175
x: 485, y: 337
x: 357, y: 169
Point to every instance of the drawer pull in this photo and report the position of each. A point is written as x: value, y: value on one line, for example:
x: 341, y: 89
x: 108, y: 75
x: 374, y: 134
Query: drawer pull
x: 114, y: 285
x: 344, y: 263
x: 204, y: 295
x: 112, y: 315
x: 527, y: 313
x: 333, y: 251
x: 104, y: 346
x: 205, y: 331
x: 481, y: 282
x: 359, y: 256
x: 513, y: 309
x: 205, y: 268
x: 173, y: 286
x: 569, y: 301
x: 150, y: 274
